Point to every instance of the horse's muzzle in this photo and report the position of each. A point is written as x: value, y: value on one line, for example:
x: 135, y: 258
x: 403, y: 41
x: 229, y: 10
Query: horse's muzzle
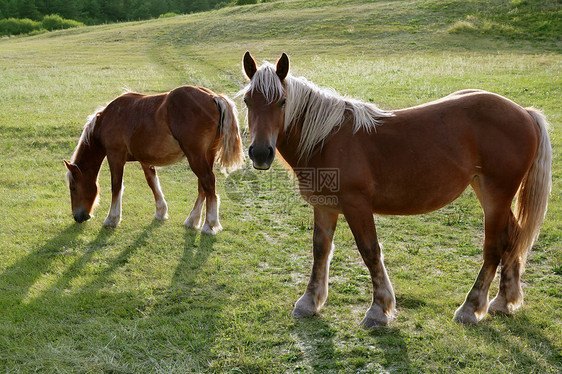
x: 81, y: 216
x: 262, y: 156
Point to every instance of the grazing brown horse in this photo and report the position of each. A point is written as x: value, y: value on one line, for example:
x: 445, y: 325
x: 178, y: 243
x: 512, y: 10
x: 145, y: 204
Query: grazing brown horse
x: 156, y: 130
x: 354, y: 159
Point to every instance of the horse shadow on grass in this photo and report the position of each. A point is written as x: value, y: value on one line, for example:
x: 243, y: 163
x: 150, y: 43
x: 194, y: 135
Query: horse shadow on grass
x: 315, y: 343
x: 99, y: 243
x: 186, y: 309
x: 524, y: 341
x: 384, y: 348
x: 17, y: 279
x: 189, y: 310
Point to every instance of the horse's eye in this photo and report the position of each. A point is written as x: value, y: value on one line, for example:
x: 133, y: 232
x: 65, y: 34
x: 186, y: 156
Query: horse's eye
x: 246, y: 101
x: 72, y: 189
x: 282, y: 102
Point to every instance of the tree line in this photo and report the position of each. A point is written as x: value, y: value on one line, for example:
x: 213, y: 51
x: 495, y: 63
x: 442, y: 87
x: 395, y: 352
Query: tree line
x: 102, y: 11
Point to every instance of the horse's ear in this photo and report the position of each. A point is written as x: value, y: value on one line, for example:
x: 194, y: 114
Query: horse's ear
x: 74, y: 170
x: 283, y: 67
x: 249, y: 65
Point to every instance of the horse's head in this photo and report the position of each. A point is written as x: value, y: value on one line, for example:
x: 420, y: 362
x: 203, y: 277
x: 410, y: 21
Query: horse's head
x: 84, y: 192
x: 265, y: 100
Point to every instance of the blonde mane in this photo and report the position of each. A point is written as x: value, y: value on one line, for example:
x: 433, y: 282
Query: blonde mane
x: 87, y: 132
x: 320, y: 110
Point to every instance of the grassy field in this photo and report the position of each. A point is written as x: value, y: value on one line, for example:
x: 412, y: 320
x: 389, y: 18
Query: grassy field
x: 155, y: 297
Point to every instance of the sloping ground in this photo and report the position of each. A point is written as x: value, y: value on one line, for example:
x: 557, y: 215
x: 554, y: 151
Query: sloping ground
x: 151, y: 297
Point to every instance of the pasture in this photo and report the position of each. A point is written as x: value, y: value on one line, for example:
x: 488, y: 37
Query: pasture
x: 156, y: 297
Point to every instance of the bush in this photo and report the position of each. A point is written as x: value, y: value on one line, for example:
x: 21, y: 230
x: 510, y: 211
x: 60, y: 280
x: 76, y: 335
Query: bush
x: 462, y: 26
x: 14, y: 26
x: 56, y: 22
x: 246, y: 2
x: 168, y: 15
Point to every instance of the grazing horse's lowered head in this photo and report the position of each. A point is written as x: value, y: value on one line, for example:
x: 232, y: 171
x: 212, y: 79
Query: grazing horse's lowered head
x: 84, y: 192
x: 82, y: 173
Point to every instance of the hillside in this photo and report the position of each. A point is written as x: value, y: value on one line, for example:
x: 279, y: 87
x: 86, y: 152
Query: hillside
x: 155, y: 297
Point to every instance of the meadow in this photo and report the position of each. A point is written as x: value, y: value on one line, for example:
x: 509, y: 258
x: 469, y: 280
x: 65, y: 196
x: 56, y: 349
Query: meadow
x: 154, y: 297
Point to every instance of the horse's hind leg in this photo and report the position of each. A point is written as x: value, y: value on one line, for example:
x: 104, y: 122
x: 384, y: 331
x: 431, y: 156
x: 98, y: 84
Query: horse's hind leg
x: 193, y: 221
x: 497, y: 211
x: 510, y: 295
x: 317, y: 289
x: 204, y: 171
x: 154, y: 184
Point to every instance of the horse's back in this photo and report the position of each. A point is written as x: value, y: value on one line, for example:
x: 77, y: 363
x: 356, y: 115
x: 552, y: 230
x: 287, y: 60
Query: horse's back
x: 489, y: 132
x: 135, y: 125
x: 193, y: 116
x: 423, y: 157
x: 489, y: 120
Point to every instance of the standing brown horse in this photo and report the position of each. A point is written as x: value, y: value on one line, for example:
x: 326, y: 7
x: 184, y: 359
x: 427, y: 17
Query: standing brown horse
x: 408, y: 161
x: 156, y: 130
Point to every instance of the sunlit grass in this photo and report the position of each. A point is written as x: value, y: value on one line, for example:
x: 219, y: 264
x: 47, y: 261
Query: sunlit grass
x: 151, y: 297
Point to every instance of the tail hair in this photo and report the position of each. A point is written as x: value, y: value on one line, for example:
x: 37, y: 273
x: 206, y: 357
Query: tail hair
x: 230, y: 152
x: 532, y: 197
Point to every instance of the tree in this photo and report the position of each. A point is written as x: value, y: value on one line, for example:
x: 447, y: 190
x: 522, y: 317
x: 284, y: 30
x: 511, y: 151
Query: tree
x: 91, y: 11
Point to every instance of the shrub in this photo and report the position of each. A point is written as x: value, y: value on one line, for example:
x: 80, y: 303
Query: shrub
x: 168, y: 15
x: 462, y: 26
x: 14, y: 26
x: 56, y: 22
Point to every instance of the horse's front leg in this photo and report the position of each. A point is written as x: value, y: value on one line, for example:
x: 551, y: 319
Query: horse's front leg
x: 317, y: 290
x: 151, y: 176
x: 361, y: 222
x: 116, y: 166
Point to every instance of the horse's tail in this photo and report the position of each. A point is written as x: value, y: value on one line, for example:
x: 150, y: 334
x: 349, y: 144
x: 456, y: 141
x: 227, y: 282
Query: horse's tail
x: 230, y: 152
x: 532, y: 197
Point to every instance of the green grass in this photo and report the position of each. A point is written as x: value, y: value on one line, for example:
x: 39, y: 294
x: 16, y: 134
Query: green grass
x: 151, y: 297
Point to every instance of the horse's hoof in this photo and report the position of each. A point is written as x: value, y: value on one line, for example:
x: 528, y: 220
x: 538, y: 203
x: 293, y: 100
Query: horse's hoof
x: 375, y: 317
x: 465, y: 318
x: 111, y: 222
x: 302, y: 313
x: 370, y: 323
x: 207, y: 229
x: 161, y: 217
x: 498, y: 306
x: 192, y: 224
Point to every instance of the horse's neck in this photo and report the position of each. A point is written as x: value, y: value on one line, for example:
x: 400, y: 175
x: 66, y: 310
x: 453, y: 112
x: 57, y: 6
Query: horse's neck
x: 88, y: 157
x: 288, y: 146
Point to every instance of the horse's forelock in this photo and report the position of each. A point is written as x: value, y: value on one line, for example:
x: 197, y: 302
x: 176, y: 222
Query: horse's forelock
x: 266, y: 81
x: 69, y: 178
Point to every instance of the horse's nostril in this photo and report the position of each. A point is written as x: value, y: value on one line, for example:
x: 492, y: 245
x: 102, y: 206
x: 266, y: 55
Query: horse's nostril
x: 81, y: 217
x: 250, y: 152
x: 271, y: 150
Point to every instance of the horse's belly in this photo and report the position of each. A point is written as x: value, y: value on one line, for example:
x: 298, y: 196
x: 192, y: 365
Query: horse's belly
x: 417, y: 199
x: 160, y: 151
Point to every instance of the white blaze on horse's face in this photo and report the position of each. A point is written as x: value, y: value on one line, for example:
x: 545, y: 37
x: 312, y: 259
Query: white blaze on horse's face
x: 266, y: 115
x: 83, y: 193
